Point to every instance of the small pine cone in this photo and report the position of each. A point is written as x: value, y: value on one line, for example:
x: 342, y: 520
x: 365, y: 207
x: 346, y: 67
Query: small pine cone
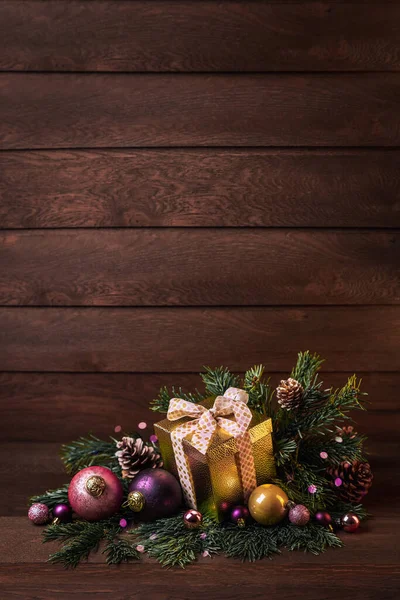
x: 134, y: 455
x: 289, y: 394
x: 355, y: 480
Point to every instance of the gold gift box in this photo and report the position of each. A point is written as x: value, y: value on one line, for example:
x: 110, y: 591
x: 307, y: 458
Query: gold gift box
x: 215, y: 474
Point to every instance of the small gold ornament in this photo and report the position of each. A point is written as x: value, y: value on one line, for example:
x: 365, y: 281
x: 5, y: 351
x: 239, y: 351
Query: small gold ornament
x: 268, y: 504
x: 136, y: 501
x: 95, y: 485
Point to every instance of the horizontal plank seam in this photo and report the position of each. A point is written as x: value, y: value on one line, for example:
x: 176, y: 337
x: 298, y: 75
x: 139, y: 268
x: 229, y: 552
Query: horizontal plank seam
x: 214, y: 73
x: 151, y: 373
x: 210, y: 149
x: 232, y: 307
x: 350, y: 229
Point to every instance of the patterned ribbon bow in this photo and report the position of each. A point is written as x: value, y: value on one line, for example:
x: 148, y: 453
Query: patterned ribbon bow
x: 203, y: 425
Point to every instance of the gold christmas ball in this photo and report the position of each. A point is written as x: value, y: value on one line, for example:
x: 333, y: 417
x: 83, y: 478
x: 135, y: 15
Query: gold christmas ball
x: 268, y: 504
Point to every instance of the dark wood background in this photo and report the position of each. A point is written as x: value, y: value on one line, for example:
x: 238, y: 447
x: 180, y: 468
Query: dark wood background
x: 186, y: 183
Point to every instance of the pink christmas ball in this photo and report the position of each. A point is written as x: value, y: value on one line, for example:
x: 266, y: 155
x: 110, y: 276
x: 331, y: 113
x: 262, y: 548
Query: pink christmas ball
x: 95, y: 493
x: 39, y: 513
x: 299, y: 515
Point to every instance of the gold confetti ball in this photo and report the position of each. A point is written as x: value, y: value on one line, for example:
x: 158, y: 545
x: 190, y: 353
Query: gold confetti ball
x: 268, y: 504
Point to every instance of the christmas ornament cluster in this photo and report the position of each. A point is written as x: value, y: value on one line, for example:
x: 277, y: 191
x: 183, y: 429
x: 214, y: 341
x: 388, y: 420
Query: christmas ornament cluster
x: 242, y: 469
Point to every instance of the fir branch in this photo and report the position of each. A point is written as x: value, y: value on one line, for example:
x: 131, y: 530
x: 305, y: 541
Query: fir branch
x: 119, y: 550
x: 311, y: 538
x: 161, y: 403
x: 52, y: 497
x: 79, y: 548
x: 260, y: 392
x: 88, y: 451
x: 306, y: 368
x: 283, y: 450
x: 218, y: 380
x: 249, y: 544
x: 349, y: 449
x: 63, y: 531
x: 170, y: 542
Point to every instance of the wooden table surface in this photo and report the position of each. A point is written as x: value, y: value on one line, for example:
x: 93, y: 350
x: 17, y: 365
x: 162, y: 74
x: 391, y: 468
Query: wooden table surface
x: 367, y: 567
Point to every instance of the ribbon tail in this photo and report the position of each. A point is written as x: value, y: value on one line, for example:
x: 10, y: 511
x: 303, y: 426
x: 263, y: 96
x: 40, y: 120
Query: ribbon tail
x: 185, y: 476
x: 246, y: 464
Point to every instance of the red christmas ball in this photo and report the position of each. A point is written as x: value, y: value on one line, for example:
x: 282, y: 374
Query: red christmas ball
x: 192, y: 519
x: 350, y: 522
x: 95, y: 493
x: 323, y: 518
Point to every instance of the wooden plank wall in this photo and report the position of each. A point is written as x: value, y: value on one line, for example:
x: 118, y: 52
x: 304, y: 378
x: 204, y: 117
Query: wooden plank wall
x: 185, y: 183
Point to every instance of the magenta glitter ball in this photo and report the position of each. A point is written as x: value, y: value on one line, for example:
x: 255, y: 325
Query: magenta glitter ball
x: 323, y: 518
x: 350, y: 522
x: 240, y: 515
x: 62, y: 512
x: 161, y: 491
x: 95, y: 493
x: 299, y: 515
x: 39, y: 513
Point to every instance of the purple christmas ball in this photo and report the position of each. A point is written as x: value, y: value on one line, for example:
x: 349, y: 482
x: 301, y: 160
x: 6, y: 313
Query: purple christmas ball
x: 240, y: 515
x: 161, y: 492
x: 62, y: 512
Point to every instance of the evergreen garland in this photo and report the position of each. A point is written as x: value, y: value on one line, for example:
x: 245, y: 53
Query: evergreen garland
x: 299, y: 436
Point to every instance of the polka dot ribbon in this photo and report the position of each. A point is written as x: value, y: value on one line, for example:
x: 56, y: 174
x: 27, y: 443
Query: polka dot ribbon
x: 202, y: 427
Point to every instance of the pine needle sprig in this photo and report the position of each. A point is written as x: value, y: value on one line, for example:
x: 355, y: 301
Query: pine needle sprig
x: 161, y: 402
x: 81, y: 545
x: 63, y: 531
x: 52, y: 497
x: 306, y: 368
x: 170, y: 542
x: 119, y: 550
x: 88, y: 451
x: 218, y: 380
x: 259, y: 390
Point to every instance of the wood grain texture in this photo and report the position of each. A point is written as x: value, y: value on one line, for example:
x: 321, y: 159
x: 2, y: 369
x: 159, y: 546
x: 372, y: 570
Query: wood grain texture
x: 145, y: 267
x: 93, y: 110
x: 124, y: 188
x: 186, y: 36
x: 185, y: 339
x: 59, y: 407
x: 47, y: 582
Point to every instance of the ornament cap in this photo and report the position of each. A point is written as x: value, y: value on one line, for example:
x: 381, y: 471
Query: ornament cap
x: 136, y: 501
x: 95, y: 486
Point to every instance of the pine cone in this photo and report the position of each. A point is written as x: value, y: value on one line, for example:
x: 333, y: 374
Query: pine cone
x: 356, y: 480
x: 289, y: 394
x: 134, y: 455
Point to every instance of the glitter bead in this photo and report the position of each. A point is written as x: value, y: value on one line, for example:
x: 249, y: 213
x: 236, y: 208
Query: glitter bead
x: 140, y: 548
x: 117, y: 428
x: 142, y: 425
x: 338, y: 439
x: 338, y: 482
x: 203, y: 536
x: 312, y: 489
x: 123, y: 523
x: 323, y: 455
x: 153, y: 439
